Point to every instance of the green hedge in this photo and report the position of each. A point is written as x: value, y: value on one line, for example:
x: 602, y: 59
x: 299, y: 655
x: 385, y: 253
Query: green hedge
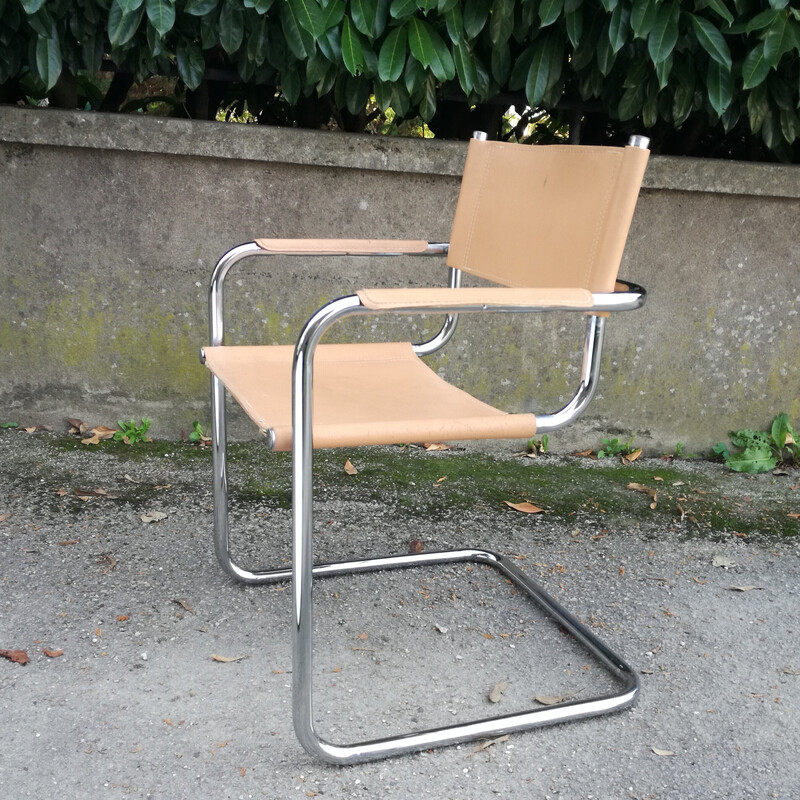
x: 699, y: 69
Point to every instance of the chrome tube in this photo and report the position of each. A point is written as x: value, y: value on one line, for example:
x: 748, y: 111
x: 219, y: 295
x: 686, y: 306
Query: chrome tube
x: 590, y: 377
x: 448, y: 327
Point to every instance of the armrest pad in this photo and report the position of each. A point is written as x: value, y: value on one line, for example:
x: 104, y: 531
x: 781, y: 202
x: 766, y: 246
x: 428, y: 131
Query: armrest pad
x: 441, y: 298
x: 344, y: 247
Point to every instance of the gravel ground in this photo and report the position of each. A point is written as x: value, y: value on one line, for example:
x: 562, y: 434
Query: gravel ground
x: 136, y: 706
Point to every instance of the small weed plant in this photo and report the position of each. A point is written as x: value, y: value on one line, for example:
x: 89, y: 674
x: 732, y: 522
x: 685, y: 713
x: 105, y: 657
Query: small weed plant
x: 614, y: 447
x: 197, y: 436
x: 761, y: 451
x: 536, y: 446
x: 131, y: 433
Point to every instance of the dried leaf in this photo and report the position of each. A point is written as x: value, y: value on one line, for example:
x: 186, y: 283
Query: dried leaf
x: 4, y: 517
x: 62, y: 492
x: 723, y: 561
x: 631, y: 457
x: 583, y: 453
x: 525, y: 508
x: 94, y: 493
x: 744, y: 588
x: 794, y: 516
x: 77, y: 425
x: 638, y: 487
x: 362, y: 636
x: 488, y: 743
x: 53, y: 653
x: 184, y: 605
x: 91, y: 440
x: 153, y: 516
x: 791, y: 671
x: 658, y: 478
x: 552, y: 700
x: 434, y: 446
x: 17, y: 656
x: 226, y: 659
x: 349, y: 468
x: 123, y: 618
x: 103, y: 432
x: 415, y: 546
x: 441, y: 480
x: 497, y: 691
x: 68, y: 542
x: 660, y: 752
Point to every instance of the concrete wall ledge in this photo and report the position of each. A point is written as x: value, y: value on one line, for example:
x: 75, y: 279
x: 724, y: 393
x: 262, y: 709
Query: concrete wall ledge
x: 110, y: 226
x: 143, y: 134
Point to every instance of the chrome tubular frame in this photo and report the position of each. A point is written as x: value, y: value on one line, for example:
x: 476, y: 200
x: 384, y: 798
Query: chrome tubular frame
x: 303, y: 569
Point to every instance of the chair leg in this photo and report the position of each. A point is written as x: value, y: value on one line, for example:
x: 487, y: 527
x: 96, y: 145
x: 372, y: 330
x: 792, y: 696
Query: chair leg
x: 303, y: 572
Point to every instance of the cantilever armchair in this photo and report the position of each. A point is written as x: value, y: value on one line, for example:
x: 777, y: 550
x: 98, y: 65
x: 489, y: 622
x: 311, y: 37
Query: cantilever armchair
x: 558, y: 246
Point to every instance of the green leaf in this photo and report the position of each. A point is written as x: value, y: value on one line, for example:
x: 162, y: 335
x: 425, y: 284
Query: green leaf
x: 356, y: 92
x: 720, y: 87
x: 780, y: 430
x: 331, y: 45
x: 308, y: 15
x: 521, y: 68
x: 290, y: 86
x: 609, y: 5
x: 427, y: 103
x: 191, y: 64
x: 199, y: 8
x: 501, y: 22
x: 711, y: 40
x: 663, y: 71
x: 630, y: 103
x: 779, y: 3
x: 755, y: 67
x: 420, y: 42
x: 455, y: 25
x: 721, y: 9
x: 605, y: 52
x: 300, y: 41
x: 501, y: 63
x: 643, y: 17
x: 257, y: 42
x: 780, y: 92
x: 122, y: 25
x: 260, y: 6
x: 414, y: 76
x: 544, y: 71
x: 352, y: 50
x: 392, y: 57
x: 752, y: 460
x: 400, y: 9
x: 618, y: 27
x: 32, y: 6
x: 442, y: 65
x: 465, y: 67
x: 664, y: 36
x: 443, y: 6
x: 48, y: 59
x: 161, y: 14
x: 650, y: 108
x: 476, y: 12
x: 231, y: 26
x: 549, y: 11
x: 762, y: 20
x: 682, y: 104
x: 757, y: 108
x: 130, y: 5
x: 780, y: 39
x: 574, y: 22
x: 332, y: 14
x: 364, y: 13
x: 790, y: 124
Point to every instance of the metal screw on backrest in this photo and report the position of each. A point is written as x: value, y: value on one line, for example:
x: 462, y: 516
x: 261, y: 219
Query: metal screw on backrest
x: 642, y: 142
x: 480, y: 135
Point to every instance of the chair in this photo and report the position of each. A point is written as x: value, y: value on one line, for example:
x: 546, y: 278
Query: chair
x: 557, y: 246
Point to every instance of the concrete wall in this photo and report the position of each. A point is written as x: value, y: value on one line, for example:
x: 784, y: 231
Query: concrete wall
x: 110, y: 226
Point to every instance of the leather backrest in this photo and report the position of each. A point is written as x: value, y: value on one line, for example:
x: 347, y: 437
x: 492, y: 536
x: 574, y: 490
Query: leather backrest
x: 545, y: 215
